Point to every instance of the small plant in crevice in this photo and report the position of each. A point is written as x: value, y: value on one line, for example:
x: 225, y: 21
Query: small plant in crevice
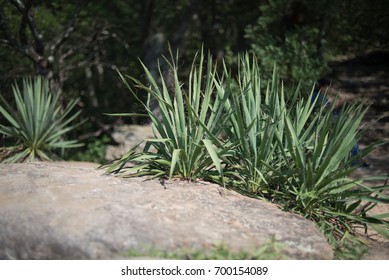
x: 38, y: 124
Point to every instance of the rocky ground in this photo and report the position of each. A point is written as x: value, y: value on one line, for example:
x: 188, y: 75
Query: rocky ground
x: 67, y: 210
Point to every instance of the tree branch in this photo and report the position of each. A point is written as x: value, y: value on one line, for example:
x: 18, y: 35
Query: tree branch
x: 36, y: 34
x: 18, y: 4
x: 24, y: 46
x: 67, y: 32
x: 24, y: 23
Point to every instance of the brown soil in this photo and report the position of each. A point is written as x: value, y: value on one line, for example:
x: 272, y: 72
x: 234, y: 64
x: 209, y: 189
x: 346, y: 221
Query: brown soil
x: 365, y: 77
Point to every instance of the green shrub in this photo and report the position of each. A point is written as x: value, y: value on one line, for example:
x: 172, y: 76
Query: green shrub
x: 186, y: 140
x: 93, y: 152
x: 299, y: 48
x: 38, y: 124
x: 294, y: 150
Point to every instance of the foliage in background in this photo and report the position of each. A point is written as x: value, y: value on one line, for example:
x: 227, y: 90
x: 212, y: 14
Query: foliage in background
x: 78, y: 45
x: 90, y: 39
x: 94, y: 151
x: 38, y: 124
x: 302, y: 36
x: 292, y: 33
x: 357, y: 25
x: 186, y: 143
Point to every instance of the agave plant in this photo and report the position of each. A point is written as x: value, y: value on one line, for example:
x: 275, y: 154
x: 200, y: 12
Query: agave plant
x: 38, y: 124
x: 187, y: 141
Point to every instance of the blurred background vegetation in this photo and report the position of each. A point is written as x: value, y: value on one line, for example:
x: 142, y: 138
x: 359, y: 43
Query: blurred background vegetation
x: 79, y: 45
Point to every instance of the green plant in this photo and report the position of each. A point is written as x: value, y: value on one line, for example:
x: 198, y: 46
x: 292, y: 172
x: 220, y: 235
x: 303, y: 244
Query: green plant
x: 187, y: 141
x: 93, y: 152
x: 294, y: 149
x: 38, y: 124
x: 263, y: 140
x: 270, y: 250
x: 256, y: 122
x: 350, y: 249
x: 293, y: 34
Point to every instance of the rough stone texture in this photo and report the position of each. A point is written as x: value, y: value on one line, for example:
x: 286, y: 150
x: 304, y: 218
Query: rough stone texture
x: 67, y: 210
x: 127, y: 136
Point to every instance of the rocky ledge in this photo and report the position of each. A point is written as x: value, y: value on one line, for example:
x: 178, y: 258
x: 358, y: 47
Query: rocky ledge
x: 65, y: 210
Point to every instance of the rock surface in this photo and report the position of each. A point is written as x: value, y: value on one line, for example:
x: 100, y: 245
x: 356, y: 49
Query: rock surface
x: 65, y: 210
x: 127, y: 136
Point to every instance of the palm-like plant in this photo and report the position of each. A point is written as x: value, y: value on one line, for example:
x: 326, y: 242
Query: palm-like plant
x: 187, y: 141
x: 38, y: 124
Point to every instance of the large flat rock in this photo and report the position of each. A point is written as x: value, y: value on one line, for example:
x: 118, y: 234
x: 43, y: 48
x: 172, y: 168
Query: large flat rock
x: 67, y: 210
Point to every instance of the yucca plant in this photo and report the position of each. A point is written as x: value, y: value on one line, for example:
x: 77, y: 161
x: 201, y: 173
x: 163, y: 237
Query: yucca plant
x: 38, y: 124
x: 318, y: 145
x: 293, y: 149
x: 257, y: 121
x: 254, y: 136
x: 187, y: 143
